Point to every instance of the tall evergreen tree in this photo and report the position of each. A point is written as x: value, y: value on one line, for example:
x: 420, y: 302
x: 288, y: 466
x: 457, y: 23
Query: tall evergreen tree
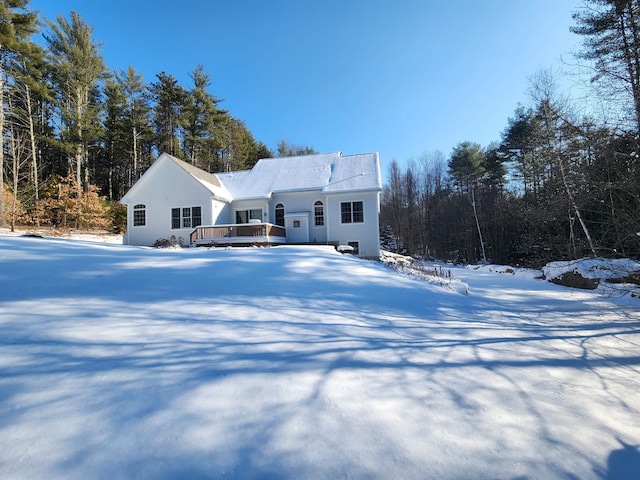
x: 116, y: 142
x: 520, y: 146
x: 611, y: 30
x: 170, y: 100
x: 467, y: 167
x: 78, y: 69
x: 137, y: 115
x: 203, y: 121
x: 242, y: 151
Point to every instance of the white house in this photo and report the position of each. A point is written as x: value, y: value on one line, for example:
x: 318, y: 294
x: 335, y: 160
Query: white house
x: 326, y: 198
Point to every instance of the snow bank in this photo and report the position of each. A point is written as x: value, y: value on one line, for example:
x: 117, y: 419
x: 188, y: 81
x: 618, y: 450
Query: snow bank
x: 595, y: 268
x: 615, y: 273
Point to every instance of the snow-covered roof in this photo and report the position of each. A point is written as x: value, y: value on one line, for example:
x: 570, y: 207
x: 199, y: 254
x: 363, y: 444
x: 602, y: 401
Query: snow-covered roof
x: 329, y: 173
x: 209, y: 180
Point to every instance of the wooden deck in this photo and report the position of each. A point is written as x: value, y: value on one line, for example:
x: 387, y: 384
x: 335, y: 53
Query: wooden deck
x: 238, y: 234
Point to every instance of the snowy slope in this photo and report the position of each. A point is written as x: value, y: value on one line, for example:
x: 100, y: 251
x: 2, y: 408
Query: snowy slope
x: 297, y: 362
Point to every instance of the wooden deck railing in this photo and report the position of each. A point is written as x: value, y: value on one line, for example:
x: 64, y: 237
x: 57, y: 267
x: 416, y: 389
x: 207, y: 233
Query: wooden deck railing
x: 220, y: 232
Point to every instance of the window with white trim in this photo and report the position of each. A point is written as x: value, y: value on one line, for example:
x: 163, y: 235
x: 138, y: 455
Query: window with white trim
x: 352, y: 212
x: 318, y: 213
x: 186, y: 217
x: 244, y: 216
x: 139, y: 215
x: 280, y: 214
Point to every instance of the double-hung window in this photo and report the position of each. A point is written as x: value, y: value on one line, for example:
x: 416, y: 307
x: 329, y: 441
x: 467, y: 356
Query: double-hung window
x: 351, y: 212
x: 139, y: 215
x: 186, y: 217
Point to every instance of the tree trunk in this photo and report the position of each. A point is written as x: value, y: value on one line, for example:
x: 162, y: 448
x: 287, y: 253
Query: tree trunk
x: 2, y: 205
x: 78, y: 154
x: 135, y: 155
x: 32, y: 137
x: 16, y: 168
x: 475, y: 216
x: 574, y: 205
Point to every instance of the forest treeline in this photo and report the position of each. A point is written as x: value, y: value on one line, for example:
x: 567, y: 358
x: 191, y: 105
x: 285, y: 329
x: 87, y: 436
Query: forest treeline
x: 76, y: 136
x: 559, y: 184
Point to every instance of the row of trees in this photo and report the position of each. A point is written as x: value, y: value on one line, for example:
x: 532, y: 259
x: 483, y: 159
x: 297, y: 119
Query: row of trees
x: 66, y: 118
x: 558, y: 185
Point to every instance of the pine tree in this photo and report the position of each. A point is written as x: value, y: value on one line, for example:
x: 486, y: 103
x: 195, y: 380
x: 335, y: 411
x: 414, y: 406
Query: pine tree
x: 520, y: 146
x: 117, y: 143
x: 286, y: 149
x: 16, y: 27
x: 78, y: 68
x: 467, y: 167
x: 611, y: 30
x: 203, y: 122
x: 137, y: 114
x: 170, y: 100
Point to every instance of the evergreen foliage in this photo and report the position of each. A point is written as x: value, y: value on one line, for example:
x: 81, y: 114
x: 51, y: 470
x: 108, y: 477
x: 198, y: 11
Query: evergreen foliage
x: 286, y: 149
x: 611, y: 31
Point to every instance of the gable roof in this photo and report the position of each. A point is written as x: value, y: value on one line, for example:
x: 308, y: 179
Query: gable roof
x: 329, y: 173
x: 205, y: 180
x: 209, y: 180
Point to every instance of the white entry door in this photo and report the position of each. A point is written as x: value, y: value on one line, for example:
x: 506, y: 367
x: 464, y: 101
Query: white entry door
x: 297, y: 225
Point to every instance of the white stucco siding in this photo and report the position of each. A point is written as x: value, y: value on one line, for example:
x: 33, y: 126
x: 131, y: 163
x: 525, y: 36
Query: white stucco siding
x: 365, y: 233
x: 225, y: 215
x: 253, y: 204
x: 297, y: 202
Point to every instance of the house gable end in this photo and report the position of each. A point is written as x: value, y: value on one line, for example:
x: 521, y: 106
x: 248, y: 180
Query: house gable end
x: 138, y: 191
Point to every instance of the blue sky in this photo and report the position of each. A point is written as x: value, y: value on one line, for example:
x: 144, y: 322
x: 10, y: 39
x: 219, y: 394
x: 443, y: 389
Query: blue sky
x: 401, y: 77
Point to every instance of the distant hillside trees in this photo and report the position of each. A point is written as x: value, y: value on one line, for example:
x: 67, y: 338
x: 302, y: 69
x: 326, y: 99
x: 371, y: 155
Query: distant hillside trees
x: 559, y: 185
x: 286, y: 149
x: 556, y: 187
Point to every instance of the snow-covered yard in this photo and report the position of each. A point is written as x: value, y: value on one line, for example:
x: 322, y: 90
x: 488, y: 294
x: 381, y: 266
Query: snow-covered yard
x: 300, y: 363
